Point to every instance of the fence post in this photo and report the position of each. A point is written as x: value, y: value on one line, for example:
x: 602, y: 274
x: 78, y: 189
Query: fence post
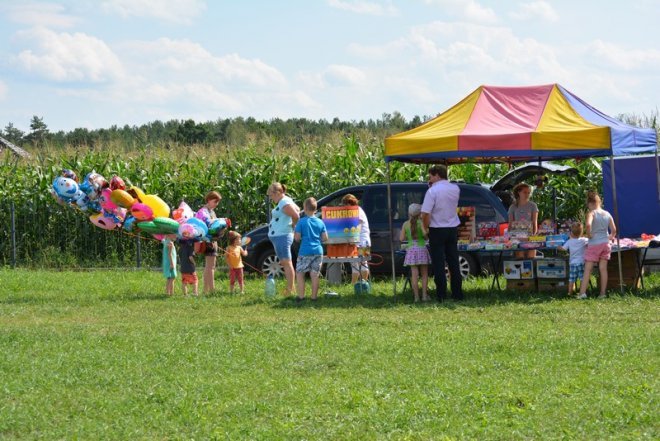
x: 139, y: 251
x: 13, y: 235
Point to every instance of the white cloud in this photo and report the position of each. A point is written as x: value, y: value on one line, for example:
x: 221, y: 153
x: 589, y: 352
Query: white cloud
x: 67, y: 57
x: 614, y: 56
x: 334, y: 76
x: 175, y: 11
x: 534, y: 11
x: 341, y: 75
x: 168, y: 74
x: 3, y: 90
x: 185, y: 59
x: 365, y: 7
x: 49, y: 15
x: 469, y: 10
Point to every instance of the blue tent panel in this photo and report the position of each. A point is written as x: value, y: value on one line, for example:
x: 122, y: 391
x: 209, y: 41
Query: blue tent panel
x: 637, y: 194
x: 626, y: 139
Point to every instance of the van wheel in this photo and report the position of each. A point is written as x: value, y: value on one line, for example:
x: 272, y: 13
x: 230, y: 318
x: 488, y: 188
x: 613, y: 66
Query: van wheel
x: 269, y: 263
x: 466, y: 265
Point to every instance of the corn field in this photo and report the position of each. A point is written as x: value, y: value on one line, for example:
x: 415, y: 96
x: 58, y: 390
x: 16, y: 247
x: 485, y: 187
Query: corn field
x: 51, y: 235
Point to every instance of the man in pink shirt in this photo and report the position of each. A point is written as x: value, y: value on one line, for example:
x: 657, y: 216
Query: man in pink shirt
x: 440, y: 217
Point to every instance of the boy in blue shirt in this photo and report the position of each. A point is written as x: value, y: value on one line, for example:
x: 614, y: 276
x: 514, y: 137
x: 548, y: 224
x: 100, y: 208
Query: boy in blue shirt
x: 310, y: 231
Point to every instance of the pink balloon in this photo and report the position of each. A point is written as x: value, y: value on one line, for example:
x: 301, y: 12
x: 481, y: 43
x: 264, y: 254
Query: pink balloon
x: 142, y: 212
x: 101, y: 221
x: 106, y: 202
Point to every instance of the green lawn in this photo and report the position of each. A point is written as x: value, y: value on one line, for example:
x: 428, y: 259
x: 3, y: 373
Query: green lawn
x: 105, y: 355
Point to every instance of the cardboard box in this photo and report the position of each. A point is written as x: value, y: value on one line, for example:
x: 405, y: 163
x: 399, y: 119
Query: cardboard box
x: 551, y: 269
x: 552, y: 285
x: 521, y: 285
x: 518, y: 269
x: 630, y: 262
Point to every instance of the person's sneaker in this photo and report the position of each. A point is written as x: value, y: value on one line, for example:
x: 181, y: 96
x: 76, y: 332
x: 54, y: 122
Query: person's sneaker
x: 602, y: 296
x: 581, y: 296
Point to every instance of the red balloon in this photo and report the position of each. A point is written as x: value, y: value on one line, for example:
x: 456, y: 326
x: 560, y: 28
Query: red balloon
x: 117, y: 183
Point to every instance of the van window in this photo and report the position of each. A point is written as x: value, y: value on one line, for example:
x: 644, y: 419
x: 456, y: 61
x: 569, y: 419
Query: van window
x: 484, y: 210
x: 376, y: 203
x: 336, y: 202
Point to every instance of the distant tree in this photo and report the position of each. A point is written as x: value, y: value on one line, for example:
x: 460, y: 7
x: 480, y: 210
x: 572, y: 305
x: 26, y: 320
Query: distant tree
x: 13, y: 134
x: 416, y: 121
x: 38, y: 130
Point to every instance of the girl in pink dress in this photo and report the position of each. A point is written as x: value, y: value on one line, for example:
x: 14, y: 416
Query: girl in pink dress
x: 417, y: 255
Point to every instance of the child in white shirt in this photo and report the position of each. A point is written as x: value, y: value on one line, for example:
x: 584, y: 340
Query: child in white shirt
x: 576, y: 247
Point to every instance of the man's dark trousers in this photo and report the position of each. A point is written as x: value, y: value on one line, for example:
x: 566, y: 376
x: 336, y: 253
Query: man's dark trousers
x: 444, y: 245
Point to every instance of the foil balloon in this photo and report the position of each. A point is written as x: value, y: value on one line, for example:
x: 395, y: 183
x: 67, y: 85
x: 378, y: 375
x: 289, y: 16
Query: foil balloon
x: 142, y: 212
x: 216, y: 226
x: 67, y: 173
x: 122, y: 198
x: 183, y: 213
x: 167, y: 225
x: 186, y: 231
x: 117, y: 183
x: 129, y: 223
x: 65, y: 188
x: 157, y: 205
x: 102, y: 221
x: 105, y: 200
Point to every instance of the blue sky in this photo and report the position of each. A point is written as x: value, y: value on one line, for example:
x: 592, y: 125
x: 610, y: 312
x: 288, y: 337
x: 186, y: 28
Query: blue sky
x: 84, y: 63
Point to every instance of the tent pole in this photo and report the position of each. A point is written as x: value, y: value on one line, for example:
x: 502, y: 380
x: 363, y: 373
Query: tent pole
x: 389, y: 218
x: 657, y: 171
x: 616, y: 220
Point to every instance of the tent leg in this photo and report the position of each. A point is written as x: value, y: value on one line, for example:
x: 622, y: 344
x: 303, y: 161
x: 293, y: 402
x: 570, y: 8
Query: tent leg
x: 389, y: 217
x: 616, y: 221
x: 657, y: 172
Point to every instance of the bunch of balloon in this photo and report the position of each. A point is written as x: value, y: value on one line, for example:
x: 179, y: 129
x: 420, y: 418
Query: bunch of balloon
x: 215, y: 226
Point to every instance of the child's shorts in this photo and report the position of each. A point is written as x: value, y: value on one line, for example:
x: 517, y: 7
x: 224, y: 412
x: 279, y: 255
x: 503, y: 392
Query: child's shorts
x: 575, y: 272
x: 189, y: 278
x: 594, y: 253
x: 309, y: 264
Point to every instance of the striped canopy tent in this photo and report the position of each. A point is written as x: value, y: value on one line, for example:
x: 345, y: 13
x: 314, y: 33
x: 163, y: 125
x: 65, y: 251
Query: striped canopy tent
x: 518, y: 124
x: 529, y: 123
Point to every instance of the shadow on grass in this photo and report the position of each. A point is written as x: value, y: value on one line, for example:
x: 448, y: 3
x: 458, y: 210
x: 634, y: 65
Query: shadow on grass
x: 27, y: 299
x: 474, y: 298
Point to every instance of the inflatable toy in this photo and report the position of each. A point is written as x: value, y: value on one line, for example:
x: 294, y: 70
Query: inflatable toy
x: 70, y: 174
x: 105, y: 200
x: 157, y: 205
x: 142, y: 212
x: 150, y: 227
x: 186, y: 231
x: 183, y: 213
x: 122, y: 198
x: 93, y: 184
x: 129, y: 223
x: 102, y: 221
x: 65, y: 188
x: 216, y: 226
x: 117, y: 183
x: 167, y: 225
x: 193, y: 229
x: 136, y: 193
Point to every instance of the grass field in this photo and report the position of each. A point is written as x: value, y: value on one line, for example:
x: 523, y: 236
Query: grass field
x: 105, y: 355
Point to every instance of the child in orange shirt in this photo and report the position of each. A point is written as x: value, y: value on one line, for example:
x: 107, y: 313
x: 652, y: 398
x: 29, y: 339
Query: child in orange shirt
x: 233, y: 256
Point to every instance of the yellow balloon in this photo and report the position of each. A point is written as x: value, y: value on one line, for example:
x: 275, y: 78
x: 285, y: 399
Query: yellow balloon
x: 122, y: 198
x: 159, y: 207
x: 137, y: 193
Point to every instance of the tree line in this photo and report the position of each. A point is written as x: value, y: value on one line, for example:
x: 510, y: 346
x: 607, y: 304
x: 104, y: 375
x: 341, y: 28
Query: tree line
x: 228, y: 131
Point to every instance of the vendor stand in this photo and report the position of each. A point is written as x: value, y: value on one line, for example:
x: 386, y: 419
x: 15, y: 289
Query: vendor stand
x: 510, y: 124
